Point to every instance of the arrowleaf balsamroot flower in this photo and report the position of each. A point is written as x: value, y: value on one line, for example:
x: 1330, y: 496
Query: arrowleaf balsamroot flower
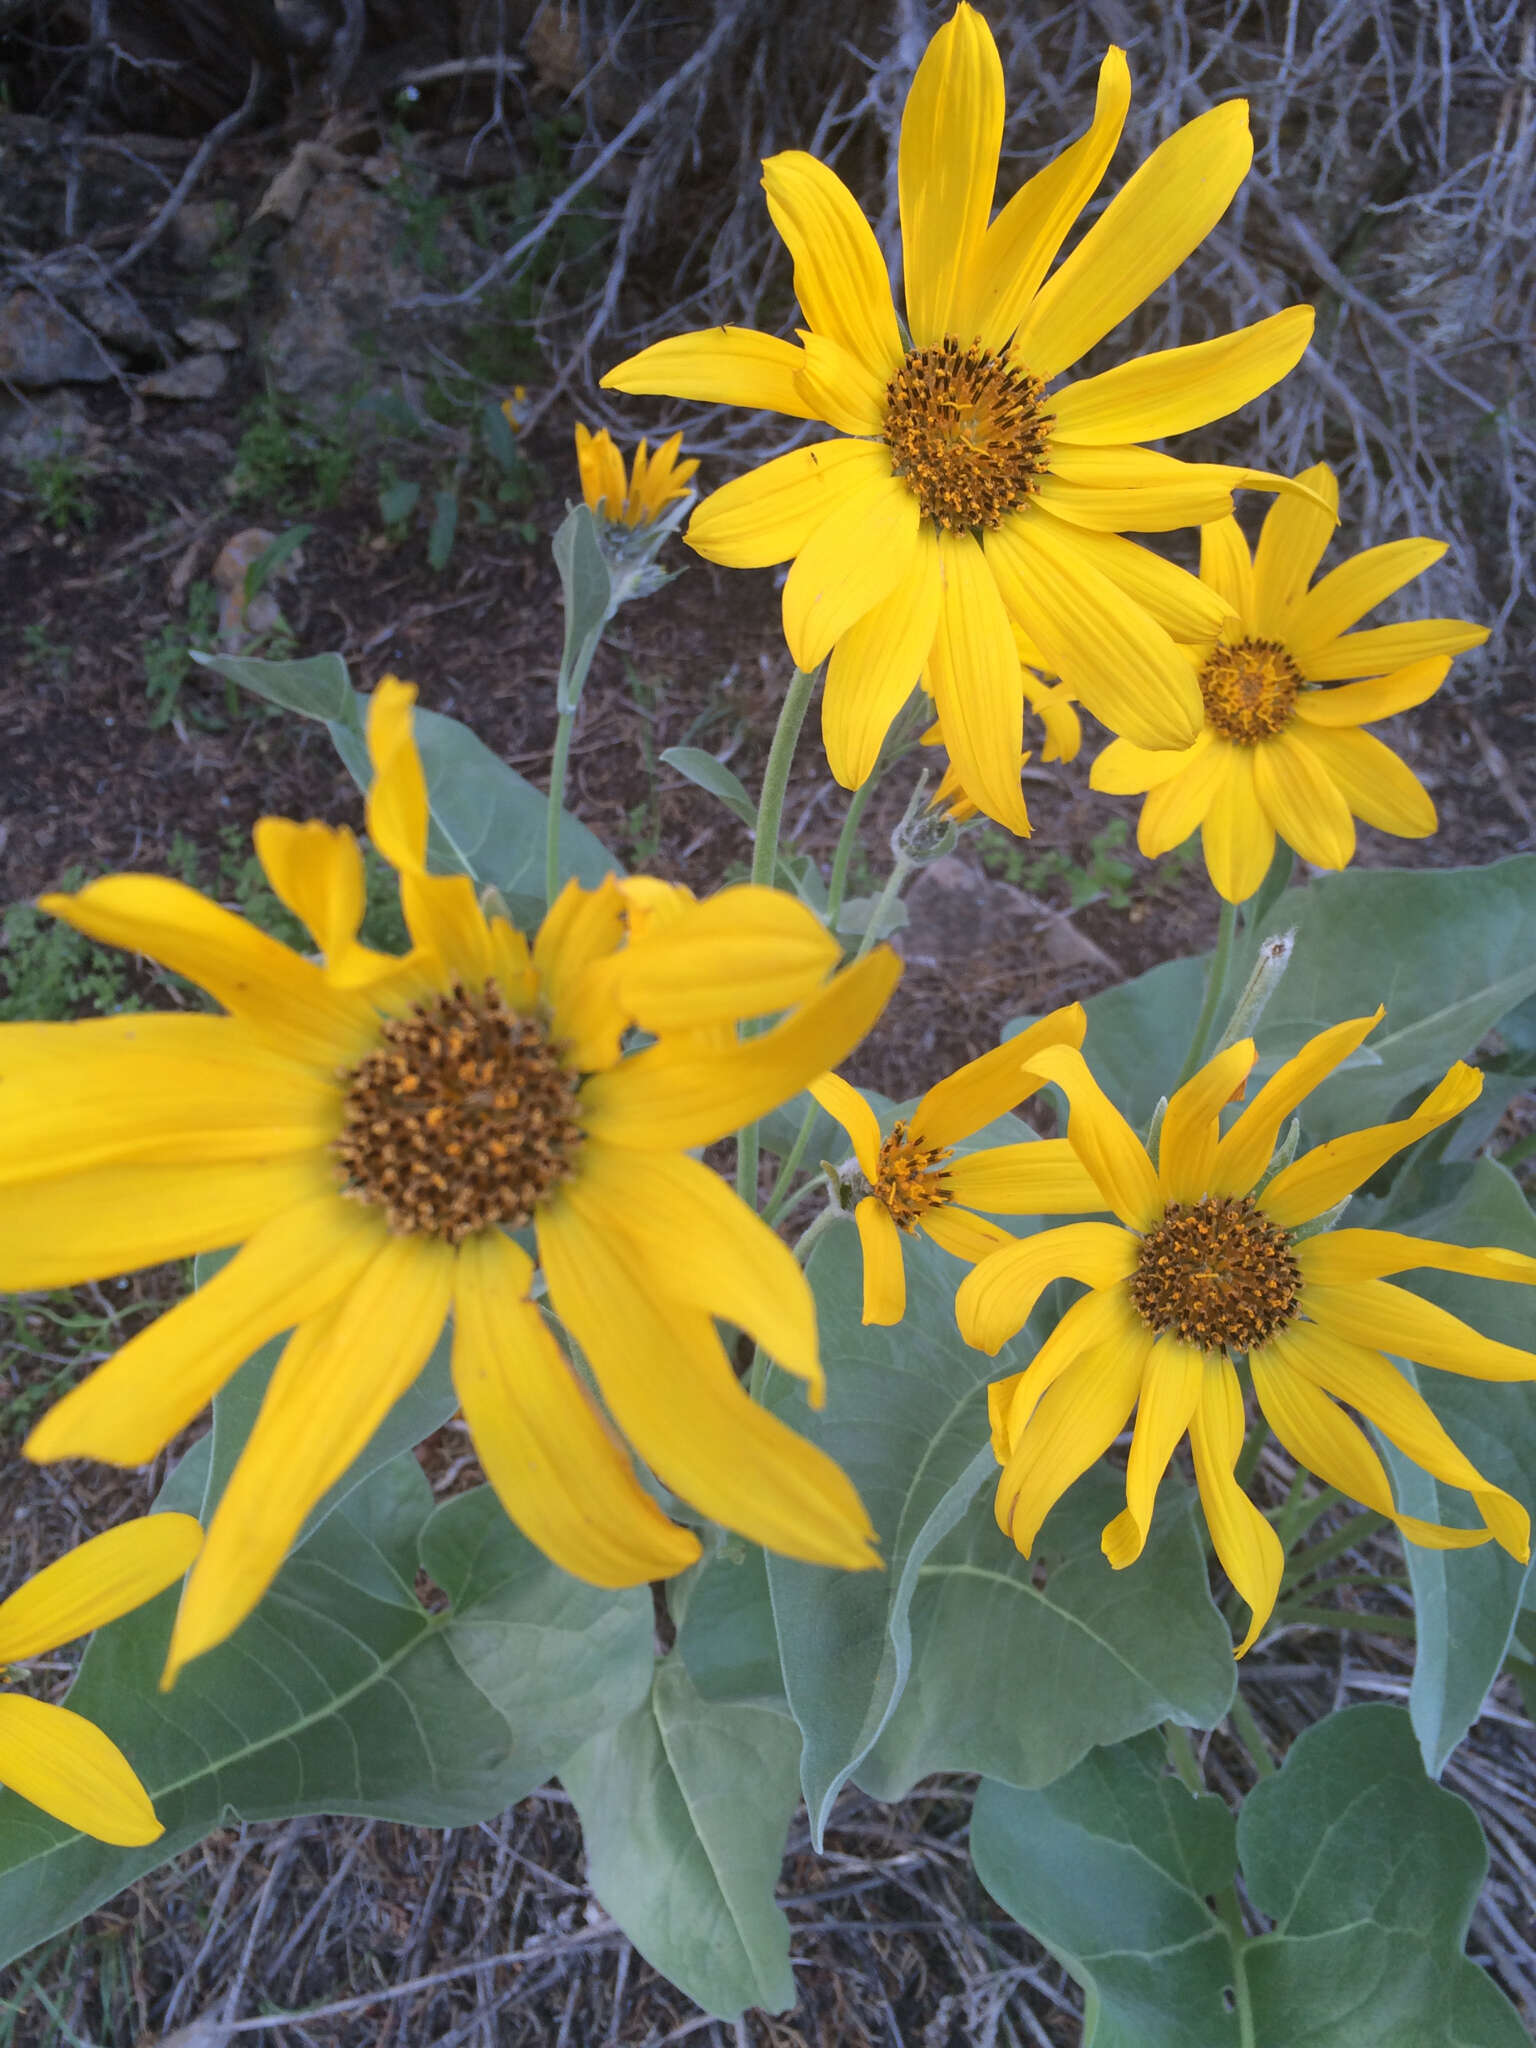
x: 968, y: 484
x: 1210, y: 1259
x: 370, y: 1129
x: 916, y: 1181
x: 1281, y: 750
x: 51, y: 1756
x: 656, y: 481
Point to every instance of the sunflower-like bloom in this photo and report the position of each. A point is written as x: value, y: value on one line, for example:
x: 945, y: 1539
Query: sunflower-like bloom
x: 916, y: 1182
x: 57, y: 1759
x: 371, y: 1129
x: 1212, y: 1257
x: 655, y: 481
x: 965, y: 487
x: 1281, y: 751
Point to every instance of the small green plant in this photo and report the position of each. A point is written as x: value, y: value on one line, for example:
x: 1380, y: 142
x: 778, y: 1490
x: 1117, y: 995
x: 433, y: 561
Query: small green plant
x: 58, y: 484
x: 167, y: 667
x: 39, y: 652
x: 291, y: 461
x: 1106, y: 876
x: 49, y: 972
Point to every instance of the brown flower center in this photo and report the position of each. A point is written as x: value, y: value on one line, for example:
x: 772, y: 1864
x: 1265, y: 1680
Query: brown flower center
x: 462, y: 1119
x: 1249, y: 689
x: 910, y: 1176
x: 1217, y: 1273
x: 966, y: 433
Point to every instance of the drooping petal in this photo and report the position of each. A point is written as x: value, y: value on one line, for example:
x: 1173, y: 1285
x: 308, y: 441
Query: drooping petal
x: 719, y: 366
x: 986, y: 1088
x: 1292, y: 541
x: 1191, y: 1124
x: 1074, y: 1425
x: 115, y: 1219
x: 857, y: 556
x: 1380, y: 649
x: 1165, y: 209
x: 1187, y: 609
x: 63, y: 1763
x: 951, y: 132
x: 674, y: 1097
x: 1178, y: 806
x: 671, y: 1390
x: 1351, y: 704
x: 1103, y: 1319
x: 1120, y: 663
x: 963, y: 1235
x: 885, y: 1273
x: 875, y: 666
x: 1378, y: 786
x: 1236, y: 835
x: 1052, y: 704
x: 1042, y: 1178
x: 1226, y: 564
x: 1093, y: 488
x: 1302, y: 801
x: 1388, y: 1318
x: 1321, y: 1178
x: 1338, y: 1258
x: 556, y: 1467
x: 743, y: 952
x: 977, y: 683
x: 997, y: 1297
x: 1248, y: 1146
x: 337, y: 1379
x: 1124, y: 769
x: 1171, y: 1382
x: 94, y: 1583
x: 317, y: 872
x: 1102, y: 1139
x: 1179, y: 388
x: 840, y: 276
x: 1248, y: 1547
x: 768, y: 515
x: 573, y: 956
x: 1021, y: 244
x: 1355, y: 587
x: 848, y: 1106
x: 294, y: 1266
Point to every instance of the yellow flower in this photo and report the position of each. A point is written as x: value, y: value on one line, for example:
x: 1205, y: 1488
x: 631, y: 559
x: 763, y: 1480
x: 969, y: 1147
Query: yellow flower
x: 965, y: 489
x: 658, y: 480
x: 57, y: 1759
x: 916, y: 1183
x: 1211, y: 1258
x: 1051, y: 703
x: 1280, y: 751
x: 370, y: 1130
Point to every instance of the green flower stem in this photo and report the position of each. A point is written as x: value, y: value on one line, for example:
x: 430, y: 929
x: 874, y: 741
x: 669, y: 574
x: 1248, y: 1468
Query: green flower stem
x: 558, y: 763
x: 1251, y: 1736
x: 765, y: 862
x: 1215, y: 985
x: 1230, y: 1913
x: 895, y: 881
x: 1358, y: 1529
x: 779, y: 1193
x: 1181, y: 1754
x: 837, y: 887
x: 762, y: 1364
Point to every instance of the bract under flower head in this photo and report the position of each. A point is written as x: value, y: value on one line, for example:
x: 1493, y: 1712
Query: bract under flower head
x: 1210, y: 1258
x: 655, y: 481
x: 970, y: 483
x: 1282, y: 750
x: 369, y: 1128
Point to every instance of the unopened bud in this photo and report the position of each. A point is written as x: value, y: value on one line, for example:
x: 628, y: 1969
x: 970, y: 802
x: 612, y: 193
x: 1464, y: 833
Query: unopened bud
x: 1269, y: 970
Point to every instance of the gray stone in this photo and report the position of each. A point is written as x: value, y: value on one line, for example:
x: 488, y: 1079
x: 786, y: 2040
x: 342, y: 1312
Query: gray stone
x: 200, y: 227
x: 204, y: 333
x: 116, y: 317
x: 192, y: 377
x: 42, y: 430
x: 42, y: 345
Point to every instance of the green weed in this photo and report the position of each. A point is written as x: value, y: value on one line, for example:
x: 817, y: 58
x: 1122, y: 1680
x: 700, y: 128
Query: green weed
x: 291, y: 461
x: 1105, y: 876
x: 39, y: 652
x: 168, y: 666
x: 58, y: 484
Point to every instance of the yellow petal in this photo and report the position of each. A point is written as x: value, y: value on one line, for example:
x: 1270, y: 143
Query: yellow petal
x: 64, y: 1764
x: 555, y: 1465
x: 1292, y: 540
x: 1321, y: 1178
x: 849, y: 1108
x: 1248, y: 1547
x: 1077, y: 1420
x: 1377, y: 786
x: 1021, y: 244
x: 162, y: 1090
x: 338, y: 1378
x: 1226, y: 565
x: 1163, y: 211
x: 1248, y: 1146
x: 110, y: 1575
x: 1103, y: 1319
x: 1340, y: 1257
x: 1180, y: 388
x: 596, y: 457
x: 294, y: 1266
x: 1388, y: 1318
x: 671, y: 1390
x: 1124, y: 769
x: 1236, y: 837
x: 988, y: 1087
x: 769, y: 515
x: 1384, y: 648
x: 1043, y: 1178
x: 397, y: 796
x: 1102, y: 1139
x: 285, y: 999
x: 1118, y: 661
x: 977, y: 683
x: 1186, y: 608
x: 317, y: 871
x: 1180, y: 805
x: 1192, y: 1126
x: 856, y: 557
x: 743, y: 952
x: 997, y: 1298
x: 1355, y: 587
x: 963, y: 1235
x: 874, y: 667
x: 840, y: 388
x: 1302, y: 801
x: 1052, y: 705
x: 1350, y: 704
x: 573, y: 958
x: 674, y: 1097
x: 951, y: 131
x: 1171, y: 1382
x: 840, y: 275
x: 114, y: 1219
x: 720, y: 366
x: 885, y: 1273
x: 1093, y: 488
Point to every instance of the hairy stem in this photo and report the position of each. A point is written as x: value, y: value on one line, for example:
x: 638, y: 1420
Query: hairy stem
x: 559, y: 761
x: 1215, y: 984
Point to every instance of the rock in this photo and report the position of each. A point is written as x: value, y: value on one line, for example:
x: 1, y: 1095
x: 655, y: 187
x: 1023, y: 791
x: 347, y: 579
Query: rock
x: 340, y: 274
x: 53, y: 426
x: 201, y: 226
x: 42, y: 345
x: 193, y: 377
x: 243, y: 622
x: 200, y: 332
x: 114, y: 316
x: 955, y: 913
